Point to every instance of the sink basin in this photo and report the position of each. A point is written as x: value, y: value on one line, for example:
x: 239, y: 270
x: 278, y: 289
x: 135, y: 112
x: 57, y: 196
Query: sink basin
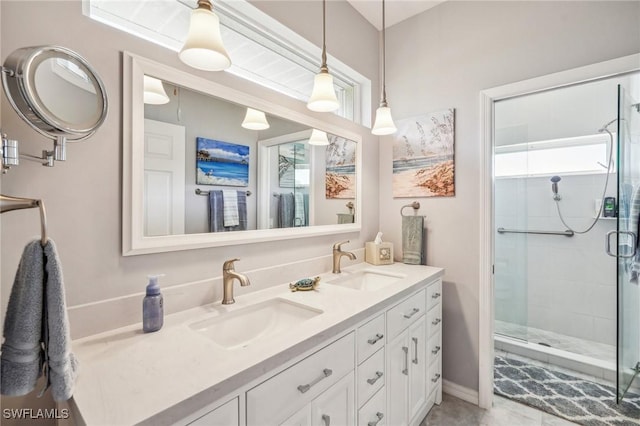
x: 366, y: 279
x: 240, y: 328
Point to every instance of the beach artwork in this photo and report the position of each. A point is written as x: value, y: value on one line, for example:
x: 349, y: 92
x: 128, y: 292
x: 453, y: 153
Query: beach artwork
x: 423, y: 156
x: 221, y: 163
x: 293, y: 166
x: 340, y: 177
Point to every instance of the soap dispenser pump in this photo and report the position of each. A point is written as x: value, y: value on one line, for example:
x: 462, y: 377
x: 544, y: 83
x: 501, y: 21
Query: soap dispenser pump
x: 152, y: 309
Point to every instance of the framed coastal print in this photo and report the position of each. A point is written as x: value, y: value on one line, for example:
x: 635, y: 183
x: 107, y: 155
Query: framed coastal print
x: 340, y: 176
x: 221, y: 163
x: 293, y: 165
x: 423, y: 160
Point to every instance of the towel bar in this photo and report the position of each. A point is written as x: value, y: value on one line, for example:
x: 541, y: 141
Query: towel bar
x: 201, y: 192
x: 415, y: 205
x: 27, y: 203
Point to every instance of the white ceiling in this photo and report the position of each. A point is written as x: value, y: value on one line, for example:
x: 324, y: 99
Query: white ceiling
x: 395, y: 10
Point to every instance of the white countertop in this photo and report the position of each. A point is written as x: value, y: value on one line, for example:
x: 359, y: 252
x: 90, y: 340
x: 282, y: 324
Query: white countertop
x: 128, y: 377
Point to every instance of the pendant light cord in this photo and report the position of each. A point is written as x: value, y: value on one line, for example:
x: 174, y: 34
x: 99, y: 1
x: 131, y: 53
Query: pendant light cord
x: 383, y: 98
x: 323, y: 67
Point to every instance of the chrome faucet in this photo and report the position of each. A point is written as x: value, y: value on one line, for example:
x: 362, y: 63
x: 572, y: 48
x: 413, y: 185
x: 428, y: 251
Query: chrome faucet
x: 228, y: 275
x: 337, y: 255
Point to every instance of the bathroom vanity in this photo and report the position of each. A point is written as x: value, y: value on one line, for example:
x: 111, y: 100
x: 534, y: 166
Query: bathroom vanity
x: 363, y: 348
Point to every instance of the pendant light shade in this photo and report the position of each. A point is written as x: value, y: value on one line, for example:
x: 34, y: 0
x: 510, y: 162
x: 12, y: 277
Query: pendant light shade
x: 255, y: 120
x: 203, y: 48
x: 318, y: 137
x: 154, y: 93
x: 323, y: 96
x: 384, y: 122
x: 383, y: 125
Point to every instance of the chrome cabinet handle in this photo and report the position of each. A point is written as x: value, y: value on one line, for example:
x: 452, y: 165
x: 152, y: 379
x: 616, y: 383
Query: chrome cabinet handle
x: 374, y: 340
x: 372, y: 380
x: 413, y: 312
x: 436, y: 350
x: 436, y: 321
x: 326, y: 419
x: 435, y: 295
x: 380, y: 416
x: 325, y: 373
x: 435, y: 378
x: 415, y: 342
x: 406, y: 360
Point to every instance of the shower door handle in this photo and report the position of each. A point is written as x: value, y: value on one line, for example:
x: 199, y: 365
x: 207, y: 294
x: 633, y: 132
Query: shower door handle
x: 633, y: 244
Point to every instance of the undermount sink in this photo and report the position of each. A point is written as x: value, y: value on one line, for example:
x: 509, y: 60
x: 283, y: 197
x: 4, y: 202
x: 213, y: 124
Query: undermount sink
x: 366, y: 279
x: 247, y: 325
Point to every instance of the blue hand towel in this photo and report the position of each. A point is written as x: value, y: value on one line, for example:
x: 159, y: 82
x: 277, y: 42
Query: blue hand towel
x: 36, y: 327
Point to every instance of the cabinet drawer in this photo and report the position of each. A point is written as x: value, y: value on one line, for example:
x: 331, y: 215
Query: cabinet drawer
x: 434, y: 294
x: 404, y: 314
x: 225, y: 415
x: 371, y: 376
x: 434, y: 377
x: 296, y: 386
x: 374, y: 412
x: 370, y: 337
x: 434, y: 321
x: 434, y: 347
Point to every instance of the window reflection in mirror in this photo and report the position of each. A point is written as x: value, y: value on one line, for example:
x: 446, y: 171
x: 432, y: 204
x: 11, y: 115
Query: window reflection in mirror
x: 204, y: 172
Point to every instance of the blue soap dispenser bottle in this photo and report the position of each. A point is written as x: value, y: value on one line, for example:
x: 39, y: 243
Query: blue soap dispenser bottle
x: 152, y: 310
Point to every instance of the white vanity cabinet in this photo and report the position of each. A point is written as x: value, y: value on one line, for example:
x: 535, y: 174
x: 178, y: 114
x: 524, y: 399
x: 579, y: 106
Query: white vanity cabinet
x: 225, y: 415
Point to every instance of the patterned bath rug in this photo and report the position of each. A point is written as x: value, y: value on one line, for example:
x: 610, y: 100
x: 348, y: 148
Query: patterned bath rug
x: 577, y: 400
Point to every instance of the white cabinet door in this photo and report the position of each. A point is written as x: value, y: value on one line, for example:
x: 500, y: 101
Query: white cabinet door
x: 398, y: 379
x: 301, y: 418
x: 335, y: 406
x: 417, y: 368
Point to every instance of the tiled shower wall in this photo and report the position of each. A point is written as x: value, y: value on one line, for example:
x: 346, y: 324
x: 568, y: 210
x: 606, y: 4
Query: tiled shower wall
x: 562, y: 284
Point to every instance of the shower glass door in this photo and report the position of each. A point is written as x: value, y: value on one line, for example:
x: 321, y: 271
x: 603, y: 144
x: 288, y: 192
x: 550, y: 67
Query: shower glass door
x: 628, y: 348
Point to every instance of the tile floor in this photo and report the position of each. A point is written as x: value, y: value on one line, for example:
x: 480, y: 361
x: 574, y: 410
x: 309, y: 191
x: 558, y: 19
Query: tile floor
x: 456, y: 412
x: 588, y: 348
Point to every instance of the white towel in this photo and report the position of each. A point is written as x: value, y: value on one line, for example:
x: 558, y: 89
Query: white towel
x: 299, y: 215
x: 230, y: 206
x: 36, y: 327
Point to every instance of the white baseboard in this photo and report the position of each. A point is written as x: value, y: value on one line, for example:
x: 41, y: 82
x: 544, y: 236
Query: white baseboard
x: 460, y: 392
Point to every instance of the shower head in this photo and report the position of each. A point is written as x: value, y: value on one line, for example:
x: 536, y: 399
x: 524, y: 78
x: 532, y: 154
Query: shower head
x: 554, y: 187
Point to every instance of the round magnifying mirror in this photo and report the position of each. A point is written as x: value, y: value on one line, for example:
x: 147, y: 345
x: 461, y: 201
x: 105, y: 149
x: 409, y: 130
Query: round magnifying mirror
x: 55, y: 90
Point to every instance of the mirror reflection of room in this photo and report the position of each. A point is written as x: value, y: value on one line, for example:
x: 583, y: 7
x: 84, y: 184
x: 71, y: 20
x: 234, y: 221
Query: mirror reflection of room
x: 211, y: 165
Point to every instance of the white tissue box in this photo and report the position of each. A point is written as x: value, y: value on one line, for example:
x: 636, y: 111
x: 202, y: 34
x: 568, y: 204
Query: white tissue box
x: 378, y: 254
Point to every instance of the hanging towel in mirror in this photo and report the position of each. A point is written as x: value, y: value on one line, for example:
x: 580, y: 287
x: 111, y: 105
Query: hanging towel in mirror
x: 345, y: 218
x: 36, y: 328
x: 230, y: 204
x: 412, y: 234
x: 299, y: 210
x: 216, y: 212
x: 285, y: 210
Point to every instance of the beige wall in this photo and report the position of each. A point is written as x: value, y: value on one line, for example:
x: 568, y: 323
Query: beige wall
x: 443, y: 58
x: 83, y: 195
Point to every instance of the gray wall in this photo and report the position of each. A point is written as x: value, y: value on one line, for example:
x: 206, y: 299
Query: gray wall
x: 83, y: 195
x: 443, y: 58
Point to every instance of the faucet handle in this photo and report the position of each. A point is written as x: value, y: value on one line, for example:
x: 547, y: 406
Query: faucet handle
x: 228, y: 265
x: 336, y: 246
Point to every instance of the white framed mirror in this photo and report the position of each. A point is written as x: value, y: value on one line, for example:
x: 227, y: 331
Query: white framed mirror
x: 277, y: 185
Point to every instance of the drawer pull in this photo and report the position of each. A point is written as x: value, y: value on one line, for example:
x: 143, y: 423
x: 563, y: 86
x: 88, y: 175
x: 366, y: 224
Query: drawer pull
x: 380, y: 416
x: 325, y: 373
x: 406, y: 360
x: 375, y: 379
x: 436, y: 321
x: 413, y: 312
x: 415, y: 342
x: 374, y: 340
x: 435, y: 378
x: 326, y: 419
x: 435, y: 295
x: 436, y: 350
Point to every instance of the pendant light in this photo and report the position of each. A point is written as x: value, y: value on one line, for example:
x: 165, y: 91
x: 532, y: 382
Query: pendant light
x: 154, y: 93
x: 203, y: 48
x: 383, y: 124
x: 255, y: 120
x: 323, y: 96
x: 318, y: 137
